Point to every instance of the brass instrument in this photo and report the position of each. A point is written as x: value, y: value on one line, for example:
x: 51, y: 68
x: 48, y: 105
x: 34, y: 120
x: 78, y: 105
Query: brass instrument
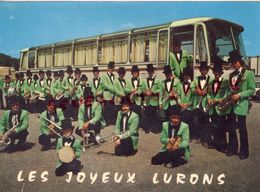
x: 168, y: 97
x: 37, y: 94
x: 5, y: 140
x: 199, y: 105
x: 173, y: 146
x: 226, y: 103
x: 211, y: 105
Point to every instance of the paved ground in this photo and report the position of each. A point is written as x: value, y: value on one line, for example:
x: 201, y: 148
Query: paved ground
x: 100, y: 164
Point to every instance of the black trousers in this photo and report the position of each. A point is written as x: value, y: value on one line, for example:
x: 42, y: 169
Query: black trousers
x: 201, y: 126
x: 187, y: 117
x: 73, y: 167
x: 167, y: 157
x: 96, y: 128
x: 40, y: 106
x: 21, y: 136
x: 125, y: 148
x: 45, y: 140
x: 109, y: 112
x: 151, y: 119
x: 237, y: 121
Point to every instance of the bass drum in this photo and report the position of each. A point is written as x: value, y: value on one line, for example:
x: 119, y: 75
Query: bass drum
x: 66, y: 154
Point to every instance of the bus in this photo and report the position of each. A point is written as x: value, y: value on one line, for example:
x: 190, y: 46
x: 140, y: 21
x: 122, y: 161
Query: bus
x: 203, y: 38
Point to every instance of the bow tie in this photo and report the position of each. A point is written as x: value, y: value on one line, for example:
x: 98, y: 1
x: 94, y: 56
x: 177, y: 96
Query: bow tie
x: 150, y: 79
x: 203, y: 78
x: 134, y: 79
x: 122, y: 80
x: 168, y: 80
x: 14, y: 113
x: 95, y: 79
x: 125, y: 115
x: 237, y: 72
x: 68, y: 139
x: 186, y: 83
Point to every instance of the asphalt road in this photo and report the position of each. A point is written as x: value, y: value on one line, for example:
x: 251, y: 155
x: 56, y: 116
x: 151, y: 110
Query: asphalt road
x: 207, y: 170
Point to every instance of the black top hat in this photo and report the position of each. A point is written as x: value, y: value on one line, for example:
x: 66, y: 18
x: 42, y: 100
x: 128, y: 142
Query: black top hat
x: 176, y: 41
x: 41, y: 72
x: 7, y: 77
x: 14, y: 100
x: 21, y: 74
x: 28, y: 73
x: 167, y: 69
x: 35, y: 77
x: 55, y: 73
x: 77, y: 71
x: 50, y: 100
x: 149, y: 67
x: 69, y: 69
x: 84, y: 77
x: 187, y: 71
x: 88, y: 93
x: 217, y: 68
x: 95, y: 69
x: 121, y: 70
x: 125, y: 100
x: 48, y: 72
x: 204, y: 65
x: 175, y: 110
x: 135, y: 68
x: 66, y: 124
x: 234, y: 56
x: 111, y: 64
x: 61, y: 72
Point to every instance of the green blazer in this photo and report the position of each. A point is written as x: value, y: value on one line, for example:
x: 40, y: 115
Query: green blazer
x: 246, y: 89
x: 5, y: 88
x: 175, y: 85
x: 132, y: 127
x: 28, y: 85
x: 67, y: 87
x: 196, y: 97
x: 178, y: 66
x: 80, y: 91
x: 56, y: 87
x: 155, y: 89
x: 186, y: 98
x: 183, y: 132
x: 221, y: 93
x: 137, y: 99
x: 97, y: 91
x: 20, y: 87
x: 22, y: 125
x: 120, y: 91
x: 77, y: 147
x: 39, y: 88
x: 96, y: 114
x: 108, y: 85
x: 44, y: 129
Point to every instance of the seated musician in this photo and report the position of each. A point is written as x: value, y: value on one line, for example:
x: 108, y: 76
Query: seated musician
x: 49, y: 130
x: 126, y: 130
x: 175, y: 138
x: 90, y: 118
x: 15, y: 121
x: 68, y: 141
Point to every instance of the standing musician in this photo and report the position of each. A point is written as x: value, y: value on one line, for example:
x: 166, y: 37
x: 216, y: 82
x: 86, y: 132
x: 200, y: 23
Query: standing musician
x: 126, y: 130
x: 33, y: 88
x: 185, y: 99
x: 56, y: 86
x: 20, y: 87
x: 40, y: 90
x: 54, y: 115
x: 120, y: 88
x: 199, y: 104
x: 6, y: 87
x: 96, y: 85
x: 27, y: 90
x: 107, y: 81
x: 151, y: 90
x: 16, y: 82
x: 134, y: 88
x: 169, y: 91
x: 68, y: 141
x: 90, y: 118
x: 81, y: 88
x: 217, y: 129
x: 16, y: 122
x: 49, y: 83
x: 175, y: 138
x: 242, y: 86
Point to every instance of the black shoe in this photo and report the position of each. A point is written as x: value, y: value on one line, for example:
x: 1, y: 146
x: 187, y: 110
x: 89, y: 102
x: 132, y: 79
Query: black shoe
x: 207, y: 145
x: 242, y: 157
x: 146, y: 131
x: 230, y: 153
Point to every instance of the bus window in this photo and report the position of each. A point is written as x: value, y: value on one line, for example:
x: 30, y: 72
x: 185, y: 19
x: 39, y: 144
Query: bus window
x: 201, y: 49
x: 163, y: 43
x: 63, y: 56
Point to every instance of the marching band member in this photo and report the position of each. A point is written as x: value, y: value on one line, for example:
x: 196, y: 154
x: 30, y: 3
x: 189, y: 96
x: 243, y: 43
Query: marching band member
x: 179, y: 59
x: 68, y: 140
x: 218, y: 90
x: 120, y: 88
x: 49, y: 83
x: 82, y: 87
x: 40, y: 90
x: 27, y: 90
x: 107, y: 81
x: 74, y: 98
x: 126, y: 130
x: 175, y: 138
x: 151, y: 90
x: 7, y: 85
x: 134, y: 88
x: 20, y: 87
x: 56, y: 85
x: 15, y: 82
x: 54, y: 115
x: 15, y: 121
x: 169, y: 91
x: 96, y: 85
x: 90, y: 117
x: 199, y: 104
x: 242, y: 86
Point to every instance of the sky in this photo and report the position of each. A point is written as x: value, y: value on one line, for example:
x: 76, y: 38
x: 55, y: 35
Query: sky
x: 28, y: 24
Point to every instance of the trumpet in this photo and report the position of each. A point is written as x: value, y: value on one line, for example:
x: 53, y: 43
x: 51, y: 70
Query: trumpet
x: 169, y: 96
x: 173, y: 146
x: 5, y: 140
x: 199, y: 105
x: 210, y: 105
x: 226, y: 103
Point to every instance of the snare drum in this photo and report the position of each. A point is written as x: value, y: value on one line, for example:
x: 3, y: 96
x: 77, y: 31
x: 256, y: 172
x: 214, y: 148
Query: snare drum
x: 66, y: 154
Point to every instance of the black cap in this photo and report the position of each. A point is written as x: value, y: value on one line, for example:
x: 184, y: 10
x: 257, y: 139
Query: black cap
x: 95, y: 69
x: 234, y: 56
x: 187, y: 71
x: 175, y: 110
x: 204, y: 65
x: 77, y: 71
x: 61, y: 72
x: 7, y: 77
x: 35, y: 77
x: 121, y: 70
x: 134, y: 69
x: 83, y: 77
x: 28, y: 73
x: 55, y: 73
x: 21, y: 74
x: 167, y: 69
x: 48, y: 72
x: 88, y: 93
x: 111, y: 64
x: 217, y: 68
x: 150, y: 67
x: 66, y: 124
x: 50, y: 100
x: 14, y: 100
x: 125, y: 100
x: 41, y: 72
x: 69, y: 69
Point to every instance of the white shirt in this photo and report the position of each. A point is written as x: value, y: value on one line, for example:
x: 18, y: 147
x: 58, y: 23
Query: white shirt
x: 203, y: 82
x: 235, y: 77
x: 124, y: 121
x: 178, y: 56
x: 96, y: 82
x: 168, y: 85
x: 41, y: 82
x: 15, y: 120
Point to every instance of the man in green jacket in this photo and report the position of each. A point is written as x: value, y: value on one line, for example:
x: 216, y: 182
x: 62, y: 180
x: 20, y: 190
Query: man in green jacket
x: 173, y: 130
x: 96, y: 85
x: 242, y: 86
x: 27, y: 90
x: 48, y: 129
x: 126, y: 130
x: 68, y: 141
x: 8, y: 85
x: 15, y: 120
